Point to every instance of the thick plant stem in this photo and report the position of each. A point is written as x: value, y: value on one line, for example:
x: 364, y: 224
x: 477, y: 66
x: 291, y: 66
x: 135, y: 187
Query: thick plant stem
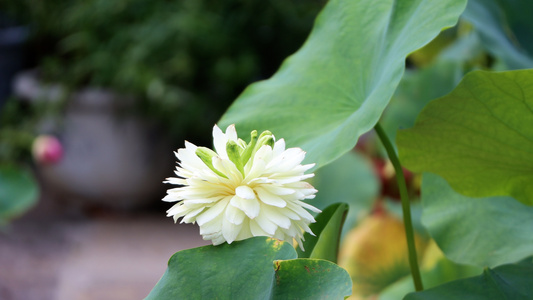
x: 406, y: 207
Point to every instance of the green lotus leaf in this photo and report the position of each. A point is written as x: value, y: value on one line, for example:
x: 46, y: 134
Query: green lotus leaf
x: 337, y: 85
x: 327, y: 229
x: 479, y: 137
x: 19, y: 192
x: 476, y: 231
x: 256, y: 268
x: 504, y: 282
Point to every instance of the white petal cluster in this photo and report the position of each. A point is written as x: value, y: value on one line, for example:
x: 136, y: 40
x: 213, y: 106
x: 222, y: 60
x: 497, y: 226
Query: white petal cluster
x: 242, y: 190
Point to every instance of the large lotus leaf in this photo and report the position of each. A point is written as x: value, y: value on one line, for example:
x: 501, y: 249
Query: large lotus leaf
x: 476, y: 231
x: 310, y: 279
x: 327, y: 229
x: 479, y: 137
x: 256, y: 268
x: 337, y: 85
x: 350, y: 179
x: 492, y: 19
x: 508, y: 282
x: 18, y: 192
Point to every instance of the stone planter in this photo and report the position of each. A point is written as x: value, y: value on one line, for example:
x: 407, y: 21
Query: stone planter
x: 111, y: 157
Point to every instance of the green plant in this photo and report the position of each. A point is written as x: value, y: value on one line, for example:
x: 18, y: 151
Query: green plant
x: 19, y: 190
x: 476, y: 140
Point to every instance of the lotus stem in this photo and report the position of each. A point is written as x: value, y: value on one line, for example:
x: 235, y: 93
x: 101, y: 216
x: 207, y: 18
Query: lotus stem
x: 406, y: 207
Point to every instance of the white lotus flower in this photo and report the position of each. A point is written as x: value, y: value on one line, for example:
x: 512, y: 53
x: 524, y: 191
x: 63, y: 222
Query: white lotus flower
x: 242, y: 190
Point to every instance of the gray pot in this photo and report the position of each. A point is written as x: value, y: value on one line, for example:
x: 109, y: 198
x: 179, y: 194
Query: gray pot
x: 111, y: 158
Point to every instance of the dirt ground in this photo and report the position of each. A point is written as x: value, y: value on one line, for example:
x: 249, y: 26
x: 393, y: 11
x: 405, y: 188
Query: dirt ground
x: 47, y: 255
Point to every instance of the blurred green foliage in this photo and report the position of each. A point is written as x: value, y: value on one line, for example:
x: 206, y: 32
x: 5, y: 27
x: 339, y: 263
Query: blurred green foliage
x: 15, y: 132
x: 18, y: 192
x: 184, y: 60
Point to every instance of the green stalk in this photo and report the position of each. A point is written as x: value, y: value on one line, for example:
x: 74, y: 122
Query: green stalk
x: 406, y: 208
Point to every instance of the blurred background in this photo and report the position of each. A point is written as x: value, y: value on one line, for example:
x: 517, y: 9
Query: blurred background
x: 95, y: 96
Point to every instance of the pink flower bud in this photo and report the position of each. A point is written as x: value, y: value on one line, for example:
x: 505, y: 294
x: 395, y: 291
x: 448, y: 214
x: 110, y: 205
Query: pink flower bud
x: 47, y: 149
